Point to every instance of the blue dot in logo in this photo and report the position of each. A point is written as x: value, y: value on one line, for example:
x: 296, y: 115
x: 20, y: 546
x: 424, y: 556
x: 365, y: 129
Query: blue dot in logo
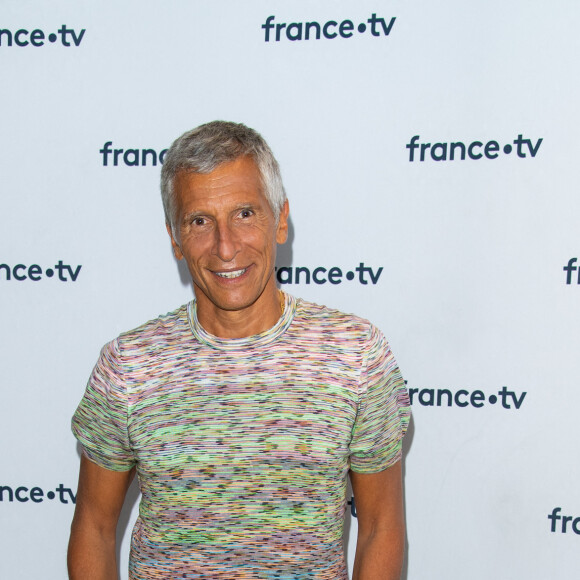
x: 349, y: 275
x: 507, y: 149
x: 493, y: 399
x: 362, y: 27
x: 52, y: 37
x: 50, y: 273
x: 50, y: 495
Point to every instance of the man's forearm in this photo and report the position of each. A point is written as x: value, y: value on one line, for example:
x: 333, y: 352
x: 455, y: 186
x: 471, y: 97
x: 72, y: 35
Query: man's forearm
x: 379, y: 557
x: 381, y: 524
x: 92, y: 544
x: 91, y: 554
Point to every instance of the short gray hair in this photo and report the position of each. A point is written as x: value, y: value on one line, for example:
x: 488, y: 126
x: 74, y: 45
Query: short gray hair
x: 202, y: 149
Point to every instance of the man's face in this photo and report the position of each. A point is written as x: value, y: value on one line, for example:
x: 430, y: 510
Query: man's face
x: 226, y: 231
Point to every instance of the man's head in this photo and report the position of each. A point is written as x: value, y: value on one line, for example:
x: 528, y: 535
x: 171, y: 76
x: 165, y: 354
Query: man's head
x: 202, y: 149
x: 226, y: 213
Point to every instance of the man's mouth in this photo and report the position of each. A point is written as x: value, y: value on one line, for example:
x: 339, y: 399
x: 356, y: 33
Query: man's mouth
x: 232, y: 274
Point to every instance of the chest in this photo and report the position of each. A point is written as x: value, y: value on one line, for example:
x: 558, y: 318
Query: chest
x: 242, y: 410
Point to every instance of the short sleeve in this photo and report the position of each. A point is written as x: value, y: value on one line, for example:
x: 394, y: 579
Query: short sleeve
x: 384, y: 409
x: 100, y: 421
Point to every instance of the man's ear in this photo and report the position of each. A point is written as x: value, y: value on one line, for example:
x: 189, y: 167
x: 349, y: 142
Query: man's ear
x: 176, y: 249
x: 282, y: 228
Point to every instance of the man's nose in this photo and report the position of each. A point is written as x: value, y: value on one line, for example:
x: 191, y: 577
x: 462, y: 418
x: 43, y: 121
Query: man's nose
x: 226, y: 242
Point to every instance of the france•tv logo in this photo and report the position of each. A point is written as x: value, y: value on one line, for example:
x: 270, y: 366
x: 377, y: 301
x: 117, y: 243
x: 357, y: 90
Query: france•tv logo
x: 571, y: 268
x: 562, y: 521
x: 34, y: 272
x: 322, y: 275
x: 331, y: 29
x: 37, y: 37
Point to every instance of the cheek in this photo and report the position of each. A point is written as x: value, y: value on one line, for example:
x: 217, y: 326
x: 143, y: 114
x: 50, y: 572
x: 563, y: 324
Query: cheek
x: 191, y: 255
x: 267, y: 245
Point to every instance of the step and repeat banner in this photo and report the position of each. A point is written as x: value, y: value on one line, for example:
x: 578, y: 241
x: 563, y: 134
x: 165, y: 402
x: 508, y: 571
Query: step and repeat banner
x: 430, y: 155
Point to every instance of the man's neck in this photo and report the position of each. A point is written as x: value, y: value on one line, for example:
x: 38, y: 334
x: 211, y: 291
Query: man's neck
x: 260, y: 316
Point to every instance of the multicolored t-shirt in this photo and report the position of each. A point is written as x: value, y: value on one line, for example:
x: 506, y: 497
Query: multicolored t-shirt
x: 242, y: 446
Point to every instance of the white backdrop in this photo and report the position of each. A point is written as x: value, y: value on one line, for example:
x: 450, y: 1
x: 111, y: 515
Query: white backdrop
x: 467, y: 255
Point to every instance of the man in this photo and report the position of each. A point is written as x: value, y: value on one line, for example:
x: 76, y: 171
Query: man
x: 244, y: 411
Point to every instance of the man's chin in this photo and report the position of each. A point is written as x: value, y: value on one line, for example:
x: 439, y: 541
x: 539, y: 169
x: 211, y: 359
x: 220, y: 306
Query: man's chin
x: 226, y: 303
x: 232, y: 299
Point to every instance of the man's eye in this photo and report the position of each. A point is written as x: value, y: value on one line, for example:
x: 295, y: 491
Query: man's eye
x: 246, y: 213
x: 198, y: 221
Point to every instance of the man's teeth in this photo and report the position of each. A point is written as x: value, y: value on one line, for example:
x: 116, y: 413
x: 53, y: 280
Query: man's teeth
x: 234, y: 274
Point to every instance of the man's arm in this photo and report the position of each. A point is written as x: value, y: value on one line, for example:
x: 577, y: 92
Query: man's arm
x: 100, y: 497
x: 381, y: 524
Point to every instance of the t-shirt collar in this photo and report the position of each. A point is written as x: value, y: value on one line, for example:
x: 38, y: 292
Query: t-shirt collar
x: 255, y: 341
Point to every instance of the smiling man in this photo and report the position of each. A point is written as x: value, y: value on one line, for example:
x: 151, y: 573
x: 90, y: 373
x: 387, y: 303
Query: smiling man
x: 244, y: 412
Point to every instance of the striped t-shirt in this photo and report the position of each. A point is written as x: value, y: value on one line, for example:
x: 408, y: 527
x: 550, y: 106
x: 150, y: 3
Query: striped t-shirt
x: 242, y: 446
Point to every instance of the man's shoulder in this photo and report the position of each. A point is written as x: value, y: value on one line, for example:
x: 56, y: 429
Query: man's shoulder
x: 324, y: 318
x: 162, y: 330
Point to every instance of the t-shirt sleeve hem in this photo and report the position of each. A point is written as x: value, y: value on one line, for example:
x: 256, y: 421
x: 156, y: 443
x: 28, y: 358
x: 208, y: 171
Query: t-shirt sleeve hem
x: 103, y: 461
x: 374, y: 466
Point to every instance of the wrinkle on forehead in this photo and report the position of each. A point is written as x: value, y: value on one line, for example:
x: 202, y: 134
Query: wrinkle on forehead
x: 199, y: 192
